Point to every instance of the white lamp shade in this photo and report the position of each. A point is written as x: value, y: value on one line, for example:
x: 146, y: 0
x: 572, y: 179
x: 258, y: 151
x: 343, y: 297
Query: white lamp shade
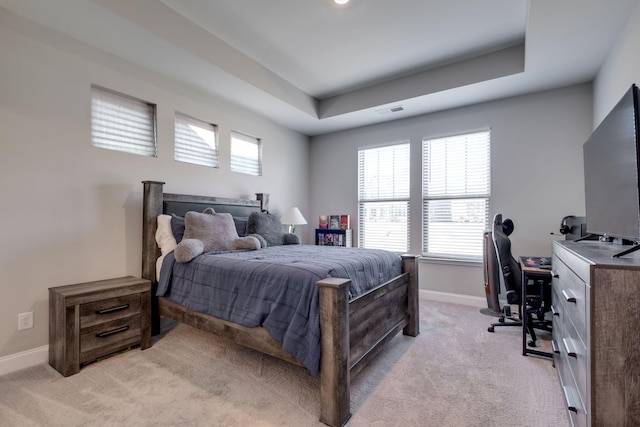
x: 293, y: 216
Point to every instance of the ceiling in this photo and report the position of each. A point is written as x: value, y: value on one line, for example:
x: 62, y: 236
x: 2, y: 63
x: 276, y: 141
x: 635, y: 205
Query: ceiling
x: 317, y: 67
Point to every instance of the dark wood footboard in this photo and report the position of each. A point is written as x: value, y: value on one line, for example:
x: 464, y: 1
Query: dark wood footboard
x: 378, y: 315
x: 352, y: 332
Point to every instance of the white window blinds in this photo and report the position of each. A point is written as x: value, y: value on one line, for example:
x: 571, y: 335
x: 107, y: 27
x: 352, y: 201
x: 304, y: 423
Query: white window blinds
x: 383, y: 198
x: 245, y: 154
x: 122, y: 123
x: 455, y: 195
x: 195, y: 142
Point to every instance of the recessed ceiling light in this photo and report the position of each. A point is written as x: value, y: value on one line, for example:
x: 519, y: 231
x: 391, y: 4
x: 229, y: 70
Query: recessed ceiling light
x: 341, y: 1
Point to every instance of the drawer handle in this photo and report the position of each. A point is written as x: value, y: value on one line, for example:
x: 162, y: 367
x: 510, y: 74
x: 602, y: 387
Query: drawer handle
x: 112, y: 309
x: 554, y: 310
x: 568, y: 397
x: 568, y: 295
x: 568, y: 345
x: 111, y: 332
x: 554, y: 274
x: 554, y: 346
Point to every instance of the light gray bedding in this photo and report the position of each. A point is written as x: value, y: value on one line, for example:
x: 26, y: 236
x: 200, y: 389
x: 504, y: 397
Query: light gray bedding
x: 274, y: 287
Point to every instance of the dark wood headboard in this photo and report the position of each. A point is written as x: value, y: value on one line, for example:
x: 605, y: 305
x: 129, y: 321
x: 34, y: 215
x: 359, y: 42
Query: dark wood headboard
x: 155, y: 202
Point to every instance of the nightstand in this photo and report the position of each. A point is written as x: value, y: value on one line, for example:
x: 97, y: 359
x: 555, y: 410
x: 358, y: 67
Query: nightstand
x: 91, y: 320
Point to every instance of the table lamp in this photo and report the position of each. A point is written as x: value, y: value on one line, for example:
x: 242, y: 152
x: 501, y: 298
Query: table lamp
x: 293, y: 217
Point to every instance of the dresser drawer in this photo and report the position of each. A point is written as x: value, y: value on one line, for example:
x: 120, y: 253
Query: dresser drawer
x: 569, y: 297
x: 102, y: 311
x: 557, y: 329
x: 571, y: 360
x: 577, y: 417
x: 576, y: 355
x: 574, y: 404
x: 104, y: 338
x: 579, y: 266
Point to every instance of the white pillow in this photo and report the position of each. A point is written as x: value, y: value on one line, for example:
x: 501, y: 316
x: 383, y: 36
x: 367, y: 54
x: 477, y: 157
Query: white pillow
x: 164, y: 236
x: 159, y: 267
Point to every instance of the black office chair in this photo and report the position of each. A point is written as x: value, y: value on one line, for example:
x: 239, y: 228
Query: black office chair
x: 491, y: 277
x: 538, y: 301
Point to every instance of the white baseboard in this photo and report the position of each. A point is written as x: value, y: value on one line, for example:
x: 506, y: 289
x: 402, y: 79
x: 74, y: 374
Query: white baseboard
x: 453, y: 298
x: 24, y: 359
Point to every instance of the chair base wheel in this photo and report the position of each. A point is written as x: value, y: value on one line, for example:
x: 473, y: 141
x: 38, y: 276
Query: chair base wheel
x: 491, y: 329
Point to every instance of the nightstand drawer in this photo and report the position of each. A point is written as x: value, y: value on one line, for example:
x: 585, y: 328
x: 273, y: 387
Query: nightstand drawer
x: 98, y: 312
x: 108, y: 337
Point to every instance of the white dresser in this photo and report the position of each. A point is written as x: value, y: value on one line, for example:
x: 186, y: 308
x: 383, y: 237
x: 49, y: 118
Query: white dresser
x: 596, y: 332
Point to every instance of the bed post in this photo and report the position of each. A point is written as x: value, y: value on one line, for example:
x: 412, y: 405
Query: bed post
x: 410, y: 265
x: 151, y: 208
x: 264, y: 201
x: 335, y: 386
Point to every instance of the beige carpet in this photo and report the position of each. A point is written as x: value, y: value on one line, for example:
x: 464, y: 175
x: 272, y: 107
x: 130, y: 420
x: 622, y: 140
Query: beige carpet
x: 454, y: 373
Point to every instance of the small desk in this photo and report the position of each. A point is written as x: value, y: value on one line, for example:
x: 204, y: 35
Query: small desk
x: 531, y: 270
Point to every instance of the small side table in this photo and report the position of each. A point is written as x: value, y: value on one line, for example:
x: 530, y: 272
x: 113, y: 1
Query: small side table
x: 91, y: 320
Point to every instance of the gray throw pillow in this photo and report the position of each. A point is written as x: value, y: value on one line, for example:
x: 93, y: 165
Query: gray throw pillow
x: 268, y: 226
x: 177, y: 227
x: 241, y: 225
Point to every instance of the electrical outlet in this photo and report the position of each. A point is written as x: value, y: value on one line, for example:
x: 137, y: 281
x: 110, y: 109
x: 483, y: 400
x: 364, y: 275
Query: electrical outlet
x: 25, y: 320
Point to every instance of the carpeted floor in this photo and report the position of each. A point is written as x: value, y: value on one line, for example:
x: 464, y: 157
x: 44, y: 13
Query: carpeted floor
x: 454, y: 373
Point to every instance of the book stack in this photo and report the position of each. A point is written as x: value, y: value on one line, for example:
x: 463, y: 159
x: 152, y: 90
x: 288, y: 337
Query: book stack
x: 335, y: 222
x: 334, y: 238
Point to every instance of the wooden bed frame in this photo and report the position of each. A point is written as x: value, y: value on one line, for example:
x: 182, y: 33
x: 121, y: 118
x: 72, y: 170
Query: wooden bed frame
x: 352, y: 332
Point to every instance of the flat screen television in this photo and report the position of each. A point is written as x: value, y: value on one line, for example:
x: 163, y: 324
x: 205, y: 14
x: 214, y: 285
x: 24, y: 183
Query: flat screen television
x: 611, y: 170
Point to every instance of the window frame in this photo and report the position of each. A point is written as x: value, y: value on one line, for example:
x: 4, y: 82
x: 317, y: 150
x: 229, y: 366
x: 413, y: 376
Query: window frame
x: 463, y: 198
x: 241, y: 164
x: 193, y: 150
x: 116, y: 131
x: 395, y: 200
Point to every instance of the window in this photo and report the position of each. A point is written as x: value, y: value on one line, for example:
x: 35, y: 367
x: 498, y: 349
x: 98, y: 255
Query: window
x: 122, y: 123
x: 383, y: 198
x: 195, y: 142
x: 245, y: 154
x: 455, y: 196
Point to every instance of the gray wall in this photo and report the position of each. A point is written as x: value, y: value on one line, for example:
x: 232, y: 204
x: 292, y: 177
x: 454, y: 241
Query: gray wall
x: 536, y: 170
x: 619, y: 71
x: 72, y: 212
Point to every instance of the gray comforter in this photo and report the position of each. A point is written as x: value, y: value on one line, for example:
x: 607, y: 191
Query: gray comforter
x: 274, y: 287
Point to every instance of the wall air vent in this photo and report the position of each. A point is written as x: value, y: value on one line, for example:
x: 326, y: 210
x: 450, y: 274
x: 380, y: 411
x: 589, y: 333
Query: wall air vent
x: 395, y: 109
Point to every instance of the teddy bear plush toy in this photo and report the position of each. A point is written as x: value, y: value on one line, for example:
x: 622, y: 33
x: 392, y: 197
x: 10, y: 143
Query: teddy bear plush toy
x: 210, y: 231
x: 267, y: 228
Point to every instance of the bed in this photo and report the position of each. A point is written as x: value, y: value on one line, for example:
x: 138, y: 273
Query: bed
x: 352, y: 330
